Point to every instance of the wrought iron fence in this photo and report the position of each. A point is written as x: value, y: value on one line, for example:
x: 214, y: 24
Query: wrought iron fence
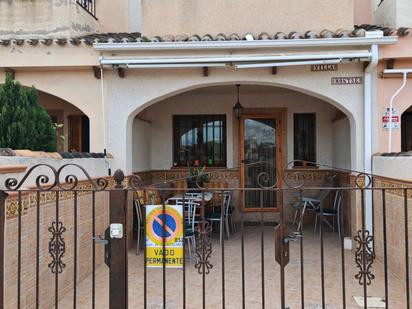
x: 57, y: 187
x: 89, y: 6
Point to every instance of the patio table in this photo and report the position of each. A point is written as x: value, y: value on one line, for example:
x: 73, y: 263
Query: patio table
x: 207, y: 197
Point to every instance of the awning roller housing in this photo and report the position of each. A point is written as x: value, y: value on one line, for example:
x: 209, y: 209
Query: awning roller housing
x: 238, y: 61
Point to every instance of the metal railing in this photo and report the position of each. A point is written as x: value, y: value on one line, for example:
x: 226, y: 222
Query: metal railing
x: 61, y: 186
x: 89, y: 6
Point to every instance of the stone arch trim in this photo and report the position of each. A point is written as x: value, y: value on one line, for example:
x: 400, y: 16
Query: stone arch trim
x: 76, y: 87
x: 353, y: 119
x: 178, y: 91
x: 59, y: 96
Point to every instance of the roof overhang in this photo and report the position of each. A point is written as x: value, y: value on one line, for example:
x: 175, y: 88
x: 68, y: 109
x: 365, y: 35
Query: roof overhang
x: 249, y: 53
x: 243, y: 44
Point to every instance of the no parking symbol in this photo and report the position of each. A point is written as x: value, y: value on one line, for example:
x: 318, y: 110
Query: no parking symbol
x: 164, y: 227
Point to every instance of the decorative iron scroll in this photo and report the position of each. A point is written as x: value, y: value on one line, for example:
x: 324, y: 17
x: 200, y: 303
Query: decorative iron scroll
x: 263, y: 181
x: 291, y: 175
x: 57, y: 247
x: 135, y: 182
x: 363, y: 180
x: 203, y: 248
x: 364, y: 257
x: 46, y: 183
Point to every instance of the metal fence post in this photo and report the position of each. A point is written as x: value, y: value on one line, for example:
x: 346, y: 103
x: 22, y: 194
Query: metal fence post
x: 118, y: 246
x: 3, y: 196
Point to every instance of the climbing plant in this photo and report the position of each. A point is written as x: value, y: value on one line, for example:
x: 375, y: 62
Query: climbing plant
x: 24, y: 124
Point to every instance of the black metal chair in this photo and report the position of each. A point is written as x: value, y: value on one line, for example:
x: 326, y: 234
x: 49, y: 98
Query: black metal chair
x: 222, y: 220
x: 334, y: 212
x: 139, y: 223
x: 312, y: 203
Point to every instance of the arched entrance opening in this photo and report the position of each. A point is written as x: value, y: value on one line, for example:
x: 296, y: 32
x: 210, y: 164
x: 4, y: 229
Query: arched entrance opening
x: 406, y: 130
x: 74, y: 125
x: 278, y: 125
x: 312, y: 129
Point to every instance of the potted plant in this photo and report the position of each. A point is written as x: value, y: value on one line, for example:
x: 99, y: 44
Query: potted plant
x: 197, y: 177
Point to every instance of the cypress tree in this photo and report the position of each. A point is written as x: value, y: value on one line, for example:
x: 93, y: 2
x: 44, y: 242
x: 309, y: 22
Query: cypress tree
x: 24, y: 124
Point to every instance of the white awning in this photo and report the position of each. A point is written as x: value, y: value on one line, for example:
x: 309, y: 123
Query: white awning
x: 238, y: 61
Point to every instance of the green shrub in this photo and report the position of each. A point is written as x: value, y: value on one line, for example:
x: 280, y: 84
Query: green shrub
x: 24, y: 124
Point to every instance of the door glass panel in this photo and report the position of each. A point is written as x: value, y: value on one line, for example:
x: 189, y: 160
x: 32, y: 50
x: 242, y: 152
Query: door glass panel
x: 260, y: 156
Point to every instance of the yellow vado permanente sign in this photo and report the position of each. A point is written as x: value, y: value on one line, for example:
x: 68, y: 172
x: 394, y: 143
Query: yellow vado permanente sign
x: 164, y: 227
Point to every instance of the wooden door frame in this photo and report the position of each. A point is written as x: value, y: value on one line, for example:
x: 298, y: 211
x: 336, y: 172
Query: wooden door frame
x: 263, y: 114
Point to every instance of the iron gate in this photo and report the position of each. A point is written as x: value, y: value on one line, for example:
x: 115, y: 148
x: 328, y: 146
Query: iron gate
x: 23, y: 270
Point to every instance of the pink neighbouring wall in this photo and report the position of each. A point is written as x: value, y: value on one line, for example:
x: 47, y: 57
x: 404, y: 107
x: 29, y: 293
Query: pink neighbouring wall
x: 363, y: 12
x: 386, y: 87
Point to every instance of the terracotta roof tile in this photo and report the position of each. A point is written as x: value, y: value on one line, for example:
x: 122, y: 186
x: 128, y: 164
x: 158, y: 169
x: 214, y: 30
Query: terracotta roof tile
x: 402, y: 31
x: 234, y: 37
x: 125, y: 37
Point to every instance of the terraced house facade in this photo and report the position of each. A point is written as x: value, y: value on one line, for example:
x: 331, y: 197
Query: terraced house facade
x: 160, y: 85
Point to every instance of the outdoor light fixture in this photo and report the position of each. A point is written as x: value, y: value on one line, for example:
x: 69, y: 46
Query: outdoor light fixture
x: 238, y: 108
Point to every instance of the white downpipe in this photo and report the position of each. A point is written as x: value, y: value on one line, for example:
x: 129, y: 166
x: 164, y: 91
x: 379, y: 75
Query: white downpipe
x: 104, y: 118
x: 405, y: 76
x: 368, y: 133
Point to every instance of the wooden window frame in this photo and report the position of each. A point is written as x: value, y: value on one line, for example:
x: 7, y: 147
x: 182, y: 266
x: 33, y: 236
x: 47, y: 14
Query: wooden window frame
x: 200, y: 119
x: 277, y: 116
x: 312, y: 148
x: 406, y: 117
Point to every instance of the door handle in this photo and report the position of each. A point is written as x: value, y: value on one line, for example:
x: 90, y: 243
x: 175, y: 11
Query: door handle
x: 282, y: 239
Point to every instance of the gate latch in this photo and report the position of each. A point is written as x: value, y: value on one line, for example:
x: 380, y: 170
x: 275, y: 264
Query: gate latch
x: 104, y: 240
x: 293, y: 237
x: 99, y: 239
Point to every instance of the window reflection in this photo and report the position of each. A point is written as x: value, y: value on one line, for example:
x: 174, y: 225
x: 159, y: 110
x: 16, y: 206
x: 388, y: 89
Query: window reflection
x: 199, y: 139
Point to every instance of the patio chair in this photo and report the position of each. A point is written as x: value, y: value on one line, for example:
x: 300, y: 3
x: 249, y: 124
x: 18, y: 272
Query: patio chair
x: 139, y: 222
x: 190, y: 208
x: 222, y: 220
x: 312, y: 203
x: 331, y: 212
x: 231, y: 211
x: 190, y: 225
x: 152, y: 197
x: 216, y: 202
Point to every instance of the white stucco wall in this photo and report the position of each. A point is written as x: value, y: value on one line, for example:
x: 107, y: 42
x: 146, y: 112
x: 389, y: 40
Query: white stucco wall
x: 142, y: 142
x: 341, y: 144
x: 404, y: 13
x: 142, y: 88
x: 220, y: 100
x: 394, y: 13
x: 393, y: 167
x: 135, y: 15
x: 44, y: 18
x: 385, y: 14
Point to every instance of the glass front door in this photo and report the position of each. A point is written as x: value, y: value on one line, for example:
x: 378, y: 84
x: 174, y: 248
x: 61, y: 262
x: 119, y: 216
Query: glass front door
x: 260, y: 156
